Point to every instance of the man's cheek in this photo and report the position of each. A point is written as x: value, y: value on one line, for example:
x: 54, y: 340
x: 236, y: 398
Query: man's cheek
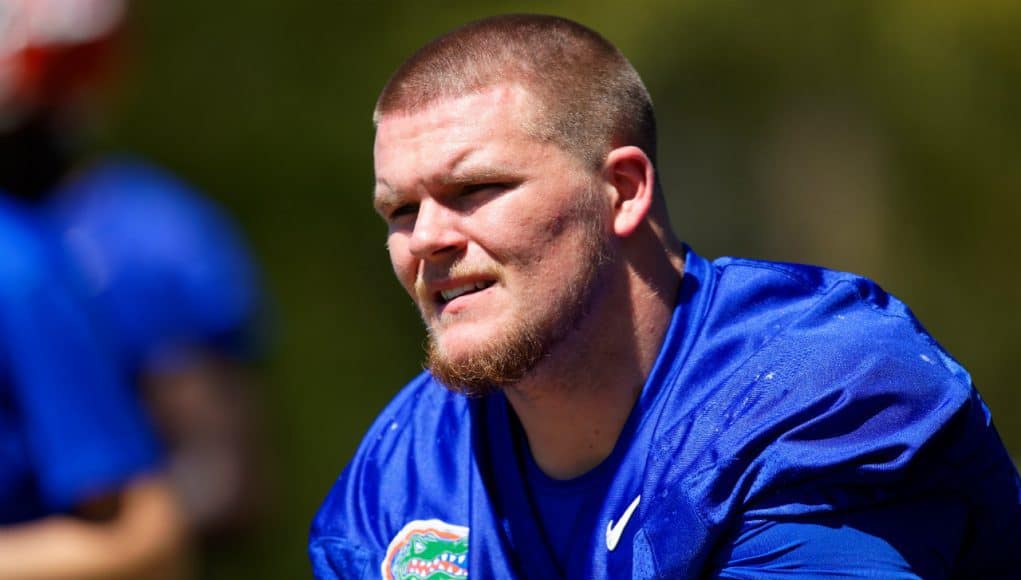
x: 403, y: 265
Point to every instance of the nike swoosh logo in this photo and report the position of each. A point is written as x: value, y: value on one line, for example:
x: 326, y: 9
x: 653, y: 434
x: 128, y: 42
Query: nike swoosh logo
x: 614, y: 531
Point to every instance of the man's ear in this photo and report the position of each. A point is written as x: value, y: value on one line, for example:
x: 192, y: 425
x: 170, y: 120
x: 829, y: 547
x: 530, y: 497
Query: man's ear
x: 632, y: 179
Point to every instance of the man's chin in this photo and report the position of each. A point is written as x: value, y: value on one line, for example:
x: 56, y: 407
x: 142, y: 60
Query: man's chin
x: 481, y: 371
x: 460, y: 372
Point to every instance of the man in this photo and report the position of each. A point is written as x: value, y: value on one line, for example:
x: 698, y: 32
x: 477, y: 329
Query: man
x: 166, y: 272
x: 616, y: 405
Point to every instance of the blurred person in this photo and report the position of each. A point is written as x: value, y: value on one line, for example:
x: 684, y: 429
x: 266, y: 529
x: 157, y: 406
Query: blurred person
x: 82, y: 492
x: 602, y: 402
x: 166, y: 272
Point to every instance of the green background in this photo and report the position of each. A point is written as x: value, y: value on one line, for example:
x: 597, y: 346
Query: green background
x: 877, y: 137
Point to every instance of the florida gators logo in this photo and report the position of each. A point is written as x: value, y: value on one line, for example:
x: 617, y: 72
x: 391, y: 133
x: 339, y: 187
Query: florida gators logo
x: 427, y: 550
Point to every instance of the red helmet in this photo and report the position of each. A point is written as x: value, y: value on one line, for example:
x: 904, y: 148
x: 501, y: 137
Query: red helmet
x: 50, y: 50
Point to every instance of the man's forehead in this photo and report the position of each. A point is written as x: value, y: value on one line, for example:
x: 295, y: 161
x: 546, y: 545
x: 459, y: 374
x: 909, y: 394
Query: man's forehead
x: 445, y: 137
x: 505, y: 101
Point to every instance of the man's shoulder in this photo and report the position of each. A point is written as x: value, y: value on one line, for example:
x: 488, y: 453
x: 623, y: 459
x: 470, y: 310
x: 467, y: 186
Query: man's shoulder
x: 142, y: 210
x: 111, y: 186
x: 408, y: 456
x: 807, y: 391
x: 136, y: 235
x: 778, y: 285
x: 802, y: 374
x: 818, y: 312
x: 805, y: 333
x: 422, y: 406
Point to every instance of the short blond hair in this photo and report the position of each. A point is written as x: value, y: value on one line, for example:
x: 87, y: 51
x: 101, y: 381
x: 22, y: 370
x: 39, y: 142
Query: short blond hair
x: 590, y: 98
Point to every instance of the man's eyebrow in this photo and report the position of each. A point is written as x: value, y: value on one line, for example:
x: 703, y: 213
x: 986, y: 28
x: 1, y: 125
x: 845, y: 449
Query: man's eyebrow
x: 385, y: 197
x: 473, y: 175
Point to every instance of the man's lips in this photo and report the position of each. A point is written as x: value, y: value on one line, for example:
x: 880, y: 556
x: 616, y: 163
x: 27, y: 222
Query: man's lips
x: 452, y: 293
x: 446, y: 291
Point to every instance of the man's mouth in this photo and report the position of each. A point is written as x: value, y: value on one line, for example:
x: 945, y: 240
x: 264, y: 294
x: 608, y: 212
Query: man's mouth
x: 446, y: 296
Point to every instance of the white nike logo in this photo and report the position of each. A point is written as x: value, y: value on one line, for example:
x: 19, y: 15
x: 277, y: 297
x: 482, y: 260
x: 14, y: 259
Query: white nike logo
x: 613, y: 532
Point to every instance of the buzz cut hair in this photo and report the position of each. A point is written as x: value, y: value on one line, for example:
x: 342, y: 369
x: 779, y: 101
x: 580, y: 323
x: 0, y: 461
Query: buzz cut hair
x: 589, y: 99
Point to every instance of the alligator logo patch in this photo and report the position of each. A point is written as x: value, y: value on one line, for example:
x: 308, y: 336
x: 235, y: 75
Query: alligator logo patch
x: 427, y: 550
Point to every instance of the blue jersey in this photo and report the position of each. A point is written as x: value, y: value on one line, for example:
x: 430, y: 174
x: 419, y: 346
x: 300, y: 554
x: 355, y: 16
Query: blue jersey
x: 70, y: 428
x: 165, y: 269
x: 796, y: 419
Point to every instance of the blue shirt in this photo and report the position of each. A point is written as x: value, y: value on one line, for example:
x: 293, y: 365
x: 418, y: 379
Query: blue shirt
x: 165, y: 268
x: 70, y: 428
x: 796, y: 419
x: 565, y: 509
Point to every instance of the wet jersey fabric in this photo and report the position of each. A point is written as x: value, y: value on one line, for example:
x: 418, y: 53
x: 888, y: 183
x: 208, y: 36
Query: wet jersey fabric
x: 165, y: 269
x: 70, y: 427
x: 796, y: 419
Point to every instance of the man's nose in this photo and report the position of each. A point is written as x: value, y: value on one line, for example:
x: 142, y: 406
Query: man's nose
x: 436, y: 232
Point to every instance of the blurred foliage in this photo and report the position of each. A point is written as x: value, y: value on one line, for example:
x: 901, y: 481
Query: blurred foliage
x: 881, y: 138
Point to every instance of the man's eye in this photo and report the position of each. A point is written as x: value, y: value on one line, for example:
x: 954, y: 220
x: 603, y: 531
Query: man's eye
x: 478, y: 187
x: 403, y: 210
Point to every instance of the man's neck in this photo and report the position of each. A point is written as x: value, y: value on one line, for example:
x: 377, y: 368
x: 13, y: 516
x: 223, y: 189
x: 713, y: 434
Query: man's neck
x: 575, y: 405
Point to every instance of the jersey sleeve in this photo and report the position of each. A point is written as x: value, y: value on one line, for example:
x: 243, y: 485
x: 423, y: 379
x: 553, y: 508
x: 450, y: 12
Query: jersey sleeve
x: 910, y: 539
x: 832, y: 427
x: 335, y: 557
x: 897, y: 469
